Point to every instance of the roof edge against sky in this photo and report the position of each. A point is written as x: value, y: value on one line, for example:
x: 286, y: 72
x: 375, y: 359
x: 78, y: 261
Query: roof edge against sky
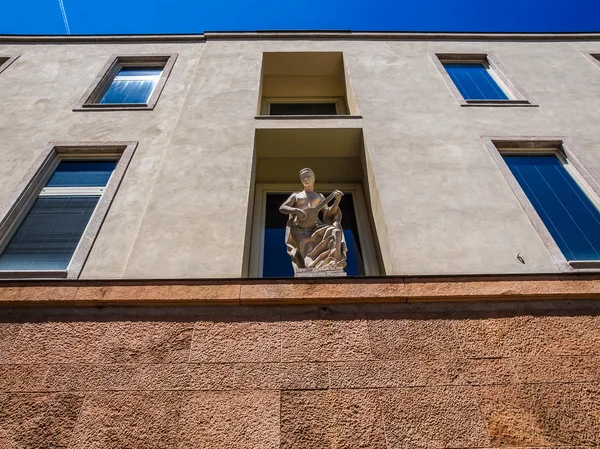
x: 375, y: 35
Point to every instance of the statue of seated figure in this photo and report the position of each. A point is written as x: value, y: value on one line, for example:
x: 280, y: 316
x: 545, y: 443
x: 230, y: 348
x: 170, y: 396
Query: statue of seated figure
x: 314, y: 243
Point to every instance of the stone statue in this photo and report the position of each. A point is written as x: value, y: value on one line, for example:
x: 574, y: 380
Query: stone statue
x: 312, y: 243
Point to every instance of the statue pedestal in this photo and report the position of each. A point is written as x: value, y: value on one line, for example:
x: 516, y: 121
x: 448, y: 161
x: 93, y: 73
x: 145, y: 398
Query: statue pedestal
x: 304, y: 273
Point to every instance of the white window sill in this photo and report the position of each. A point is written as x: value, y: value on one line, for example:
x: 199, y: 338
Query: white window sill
x: 33, y: 274
x: 305, y: 117
x: 497, y: 103
x: 583, y: 264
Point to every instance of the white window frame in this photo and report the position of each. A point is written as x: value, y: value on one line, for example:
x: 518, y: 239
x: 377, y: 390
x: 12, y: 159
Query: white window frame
x: 259, y: 218
x: 340, y: 106
x: 32, y: 186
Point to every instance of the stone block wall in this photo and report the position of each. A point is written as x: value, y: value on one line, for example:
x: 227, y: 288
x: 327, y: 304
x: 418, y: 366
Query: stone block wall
x: 456, y: 375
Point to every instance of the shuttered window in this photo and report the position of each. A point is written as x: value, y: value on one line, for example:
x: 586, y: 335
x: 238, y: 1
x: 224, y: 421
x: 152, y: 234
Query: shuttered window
x: 132, y: 85
x: 48, y: 236
x: 474, y: 81
x: 571, y: 217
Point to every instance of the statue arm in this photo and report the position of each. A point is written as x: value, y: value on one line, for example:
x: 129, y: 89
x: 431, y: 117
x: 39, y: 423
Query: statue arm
x: 288, y: 207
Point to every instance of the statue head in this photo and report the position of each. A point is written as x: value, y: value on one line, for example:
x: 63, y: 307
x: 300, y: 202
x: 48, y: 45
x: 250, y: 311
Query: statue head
x: 307, y: 177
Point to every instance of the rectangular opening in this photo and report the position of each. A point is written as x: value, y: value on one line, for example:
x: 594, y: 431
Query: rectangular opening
x: 335, y: 156
x: 48, y: 232
x: 479, y: 79
x: 304, y: 83
x: 128, y: 82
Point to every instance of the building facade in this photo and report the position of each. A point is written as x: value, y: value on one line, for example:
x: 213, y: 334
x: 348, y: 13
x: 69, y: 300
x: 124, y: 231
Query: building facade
x: 147, y: 298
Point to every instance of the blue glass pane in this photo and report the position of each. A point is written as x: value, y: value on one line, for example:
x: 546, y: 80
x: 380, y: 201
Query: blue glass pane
x: 474, y: 82
x: 134, y: 90
x: 48, y: 236
x: 276, y: 260
x: 570, y: 216
x: 82, y: 174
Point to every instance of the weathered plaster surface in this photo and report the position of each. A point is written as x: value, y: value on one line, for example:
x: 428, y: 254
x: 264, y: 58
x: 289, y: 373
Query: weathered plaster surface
x: 182, y: 208
x: 470, y: 375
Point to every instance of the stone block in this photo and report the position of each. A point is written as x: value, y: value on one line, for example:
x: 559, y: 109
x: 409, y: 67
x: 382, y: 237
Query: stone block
x: 22, y: 377
x: 78, y: 377
x: 229, y: 419
x: 509, y: 335
x: 565, y: 369
x: 540, y: 414
x: 331, y: 418
x: 435, y: 417
x: 412, y: 335
x: 57, y: 342
x: 211, y: 376
x: 8, y: 336
x: 236, y: 339
x: 119, y: 419
x: 38, y: 420
x: 313, y: 339
x: 146, y: 342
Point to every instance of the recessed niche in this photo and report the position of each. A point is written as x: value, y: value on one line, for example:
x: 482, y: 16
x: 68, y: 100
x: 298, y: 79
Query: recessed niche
x: 305, y: 84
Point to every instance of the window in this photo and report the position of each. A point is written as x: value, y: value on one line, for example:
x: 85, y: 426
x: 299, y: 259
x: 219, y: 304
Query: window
x: 44, y: 230
x: 479, y: 80
x: 132, y: 85
x: 309, y: 84
x: 6, y: 61
x: 272, y: 260
x: 474, y: 81
x: 128, y: 82
x: 559, y: 197
x: 569, y: 213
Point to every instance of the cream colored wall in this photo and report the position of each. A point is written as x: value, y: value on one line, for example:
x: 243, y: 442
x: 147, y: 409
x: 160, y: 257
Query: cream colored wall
x: 183, y: 206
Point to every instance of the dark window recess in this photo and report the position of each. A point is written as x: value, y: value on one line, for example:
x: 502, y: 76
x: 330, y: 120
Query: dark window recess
x: 277, y: 263
x: 571, y: 217
x: 303, y: 109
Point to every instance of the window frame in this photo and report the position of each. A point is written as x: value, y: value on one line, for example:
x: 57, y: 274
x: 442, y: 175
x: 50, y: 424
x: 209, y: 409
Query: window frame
x: 575, y: 164
x: 517, y: 96
x: 90, y: 100
x: 20, y: 201
x: 340, y: 106
x: 360, y: 208
x: 6, y: 61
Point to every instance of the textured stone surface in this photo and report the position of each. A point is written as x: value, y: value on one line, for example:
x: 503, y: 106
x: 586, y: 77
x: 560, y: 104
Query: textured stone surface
x: 38, y: 420
x: 56, y: 342
x: 211, y: 376
x: 327, y: 419
x: 432, y: 418
x: 403, y: 336
x: 229, y: 419
x: 146, y: 342
x: 540, y: 415
x: 128, y: 419
x: 236, y: 340
x: 22, y: 377
x: 309, y: 338
x: 558, y: 369
x: 506, y: 334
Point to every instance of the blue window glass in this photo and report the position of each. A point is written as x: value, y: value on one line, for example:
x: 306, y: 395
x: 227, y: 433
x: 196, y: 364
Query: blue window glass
x: 571, y: 217
x: 474, y: 81
x: 48, y: 236
x: 277, y: 263
x: 82, y: 174
x: 132, y: 85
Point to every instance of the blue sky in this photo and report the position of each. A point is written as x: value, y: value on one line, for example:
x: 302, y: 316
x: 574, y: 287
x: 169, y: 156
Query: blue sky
x: 195, y: 16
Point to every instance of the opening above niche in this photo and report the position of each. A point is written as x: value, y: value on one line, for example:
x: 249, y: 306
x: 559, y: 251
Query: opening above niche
x: 305, y: 84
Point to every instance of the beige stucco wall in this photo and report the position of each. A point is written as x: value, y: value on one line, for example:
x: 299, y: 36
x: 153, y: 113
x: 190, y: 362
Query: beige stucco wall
x: 182, y: 208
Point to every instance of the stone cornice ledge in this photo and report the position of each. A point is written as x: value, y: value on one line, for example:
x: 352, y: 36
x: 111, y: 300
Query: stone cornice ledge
x: 390, y: 289
x: 297, y: 34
